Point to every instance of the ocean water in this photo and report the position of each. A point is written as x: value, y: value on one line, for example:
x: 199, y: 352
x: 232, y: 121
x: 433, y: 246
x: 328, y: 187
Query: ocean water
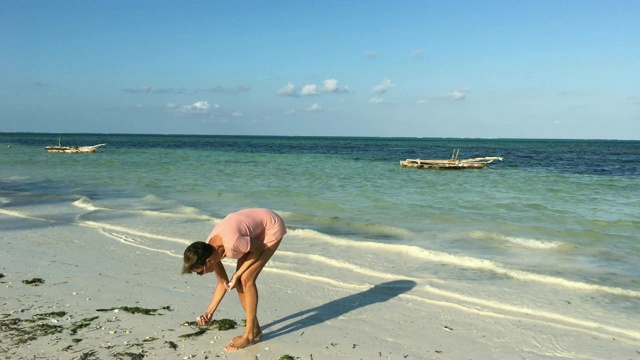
x: 556, y: 222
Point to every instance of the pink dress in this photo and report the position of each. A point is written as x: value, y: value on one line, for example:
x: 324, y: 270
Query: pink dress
x: 246, y: 229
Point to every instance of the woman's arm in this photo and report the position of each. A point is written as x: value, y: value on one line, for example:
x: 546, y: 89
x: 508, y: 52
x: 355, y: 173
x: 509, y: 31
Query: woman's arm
x: 251, y: 258
x: 218, y: 293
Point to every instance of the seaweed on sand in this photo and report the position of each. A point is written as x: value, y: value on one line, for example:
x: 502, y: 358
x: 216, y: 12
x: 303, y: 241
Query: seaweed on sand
x: 81, y: 324
x: 286, y: 357
x: 49, y: 315
x: 220, y: 325
x: 130, y: 355
x: 224, y: 324
x: 137, y: 310
x: 193, y: 334
x: 89, y: 355
x: 171, y: 345
x: 33, y: 282
x: 22, y: 331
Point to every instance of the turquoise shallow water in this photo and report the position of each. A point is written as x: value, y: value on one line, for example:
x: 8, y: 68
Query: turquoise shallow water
x: 555, y: 218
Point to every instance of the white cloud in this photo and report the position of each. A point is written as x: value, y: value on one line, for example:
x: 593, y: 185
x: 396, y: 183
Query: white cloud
x: 421, y: 101
x: 330, y: 85
x: 290, y: 112
x: 237, y: 114
x: 377, y: 100
x: 314, y: 108
x: 198, y: 107
x: 383, y: 87
x: 458, y: 94
x: 309, y: 90
x: 287, y: 90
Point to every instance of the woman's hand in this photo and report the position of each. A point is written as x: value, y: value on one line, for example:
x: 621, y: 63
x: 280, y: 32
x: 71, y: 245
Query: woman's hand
x: 203, y: 319
x: 231, y: 284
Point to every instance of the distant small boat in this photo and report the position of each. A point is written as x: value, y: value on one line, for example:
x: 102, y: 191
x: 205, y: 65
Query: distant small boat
x: 452, y: 164
x: 72, y: 149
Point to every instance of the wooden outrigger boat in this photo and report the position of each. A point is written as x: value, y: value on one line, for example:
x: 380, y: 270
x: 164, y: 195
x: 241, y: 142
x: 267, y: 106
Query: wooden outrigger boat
x: 453, y: 164
x: 72, y: 149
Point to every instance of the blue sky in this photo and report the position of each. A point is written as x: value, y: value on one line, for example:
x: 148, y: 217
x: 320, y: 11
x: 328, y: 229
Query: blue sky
x: 486, y: 69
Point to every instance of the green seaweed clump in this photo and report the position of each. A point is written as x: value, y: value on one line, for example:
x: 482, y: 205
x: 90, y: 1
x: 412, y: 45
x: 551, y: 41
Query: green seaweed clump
x: 194, y: 334
x: 221, y: 325
x: 137, y: 310
x: 1, y: 275
x: 224, y: 324
x: 81, y: 324
x: 33, y: 282
x: 45, y: 329
x: 49, y: 315
x: 130, y: 355
x: 171, y: 345
x: 23, y: 331
x: 286, y: 357
x: 89, y: 355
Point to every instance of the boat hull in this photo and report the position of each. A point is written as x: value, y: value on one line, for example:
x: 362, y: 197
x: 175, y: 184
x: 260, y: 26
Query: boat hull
x: 73, y: 149
x: 454, y: 164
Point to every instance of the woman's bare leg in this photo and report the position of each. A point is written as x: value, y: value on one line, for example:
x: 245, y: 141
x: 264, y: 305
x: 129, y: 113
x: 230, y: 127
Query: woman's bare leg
x: 248, y: 294
x: 257, y: 334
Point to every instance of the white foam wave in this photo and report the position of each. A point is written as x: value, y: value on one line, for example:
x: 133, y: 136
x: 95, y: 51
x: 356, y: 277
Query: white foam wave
x: 4, y: 201
x: 24, y: 216
x: 521, y: 241
x: 466, y: 262
x: 533, y: 243
x: 86, y: 204
x: 180, y: 212
x: 102, y: 226
x: 135, y: 242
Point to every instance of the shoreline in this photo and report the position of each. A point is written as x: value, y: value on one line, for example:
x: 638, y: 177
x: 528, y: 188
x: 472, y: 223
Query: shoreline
x: 86, y: 272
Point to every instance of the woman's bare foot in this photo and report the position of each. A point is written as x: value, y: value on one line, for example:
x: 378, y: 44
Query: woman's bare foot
x: 240, y: 342
x: 257, y: 337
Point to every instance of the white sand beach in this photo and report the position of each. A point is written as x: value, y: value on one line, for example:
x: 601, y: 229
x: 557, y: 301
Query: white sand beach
x: 85, y: 271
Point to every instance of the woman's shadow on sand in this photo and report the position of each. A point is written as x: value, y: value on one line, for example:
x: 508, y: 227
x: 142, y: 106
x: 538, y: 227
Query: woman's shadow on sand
x: 331, y: 310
